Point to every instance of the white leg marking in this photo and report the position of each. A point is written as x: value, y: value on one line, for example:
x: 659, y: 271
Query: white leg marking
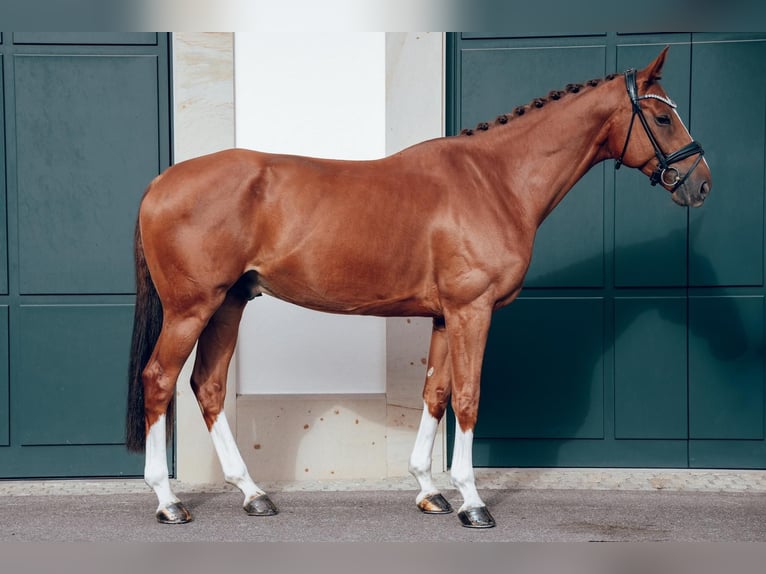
x: 234, y: 469
x: 156, y: 464
x: 420, y: 460
x: 462, y: 469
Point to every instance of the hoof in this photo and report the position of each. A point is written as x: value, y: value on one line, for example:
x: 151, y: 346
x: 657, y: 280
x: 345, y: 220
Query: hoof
x: 174, y: 513
x: 261, y: 506
x: 476, y: 518
x: 434, y: 504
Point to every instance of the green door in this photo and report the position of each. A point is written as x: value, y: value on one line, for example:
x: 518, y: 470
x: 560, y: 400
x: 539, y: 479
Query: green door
x: 86, y: 123
x: 638, y: 339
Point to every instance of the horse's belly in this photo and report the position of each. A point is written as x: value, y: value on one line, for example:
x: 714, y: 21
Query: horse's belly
x: 351, y: 294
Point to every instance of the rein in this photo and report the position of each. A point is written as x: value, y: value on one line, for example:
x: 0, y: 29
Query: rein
x: 664, y: 173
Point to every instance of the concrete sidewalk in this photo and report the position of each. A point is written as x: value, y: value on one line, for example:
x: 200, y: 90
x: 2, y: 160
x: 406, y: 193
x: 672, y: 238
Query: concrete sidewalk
x: 529, y: 506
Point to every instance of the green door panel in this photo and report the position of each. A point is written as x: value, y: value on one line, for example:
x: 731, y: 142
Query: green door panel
x: 726, y: 367
x: 70, y: 461
x: 516, y: 35
x: 78, y: 188
x: 746, y: 454
x: 76, y: 389
x: 82, y: 38
x: 577, y: 453
x: 649, y: 229
x: 4, y: 386
x: 3, y: 194
x: 729, y: 118
x: 543, y: 371
x: 650, y: 368
x: 569, y: 248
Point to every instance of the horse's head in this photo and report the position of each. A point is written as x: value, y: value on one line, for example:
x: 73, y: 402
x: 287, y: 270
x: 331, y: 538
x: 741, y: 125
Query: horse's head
x: 658, y: 143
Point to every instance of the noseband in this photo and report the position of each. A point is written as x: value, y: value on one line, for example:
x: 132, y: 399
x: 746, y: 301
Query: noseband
x: 664, y: 173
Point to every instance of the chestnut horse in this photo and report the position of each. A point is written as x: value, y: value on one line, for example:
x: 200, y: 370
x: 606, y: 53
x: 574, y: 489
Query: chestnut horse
x: 443, y: 229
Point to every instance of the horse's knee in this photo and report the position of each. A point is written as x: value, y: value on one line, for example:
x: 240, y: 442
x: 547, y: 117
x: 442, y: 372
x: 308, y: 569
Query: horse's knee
x: 466, y: 409
x: 436, y: 399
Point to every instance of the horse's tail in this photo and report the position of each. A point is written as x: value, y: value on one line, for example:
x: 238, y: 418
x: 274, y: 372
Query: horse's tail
x: 147, y: 323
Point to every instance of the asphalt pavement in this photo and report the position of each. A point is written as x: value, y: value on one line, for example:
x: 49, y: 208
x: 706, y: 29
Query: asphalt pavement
x: 522, y: 515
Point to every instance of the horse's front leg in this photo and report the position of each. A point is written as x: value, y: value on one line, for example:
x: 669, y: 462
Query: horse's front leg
x: 436, y: 393
x: 467, y: 329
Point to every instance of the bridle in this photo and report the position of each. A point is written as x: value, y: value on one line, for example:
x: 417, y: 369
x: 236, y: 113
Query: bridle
x: 664, y: 173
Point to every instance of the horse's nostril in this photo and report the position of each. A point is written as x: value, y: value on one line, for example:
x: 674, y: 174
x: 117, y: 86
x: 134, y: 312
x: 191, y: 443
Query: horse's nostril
x: 704, y: 189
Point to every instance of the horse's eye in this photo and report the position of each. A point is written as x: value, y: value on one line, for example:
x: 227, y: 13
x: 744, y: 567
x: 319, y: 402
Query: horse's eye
x: 663, y: 120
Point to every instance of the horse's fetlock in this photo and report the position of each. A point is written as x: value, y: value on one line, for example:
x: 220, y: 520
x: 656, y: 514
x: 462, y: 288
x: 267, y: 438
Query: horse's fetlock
x: 462, y: 480
x: 236, y: 479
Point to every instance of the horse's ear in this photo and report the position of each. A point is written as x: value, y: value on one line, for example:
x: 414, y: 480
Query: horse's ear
x: 653, y: 72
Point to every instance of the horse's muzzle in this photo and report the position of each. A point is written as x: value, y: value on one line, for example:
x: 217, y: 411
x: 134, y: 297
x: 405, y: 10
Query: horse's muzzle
x: 689, y: 195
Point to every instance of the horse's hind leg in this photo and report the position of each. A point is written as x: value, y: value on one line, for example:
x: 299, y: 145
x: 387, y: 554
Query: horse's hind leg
x: 436, y: 393
x: 174, y: 345
x: 214, y: 352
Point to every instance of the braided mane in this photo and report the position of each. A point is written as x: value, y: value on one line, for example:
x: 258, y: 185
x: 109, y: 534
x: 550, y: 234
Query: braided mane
x: 537, y: 103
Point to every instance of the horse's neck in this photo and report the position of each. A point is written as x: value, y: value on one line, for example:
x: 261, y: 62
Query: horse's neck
x: 546, y: 151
